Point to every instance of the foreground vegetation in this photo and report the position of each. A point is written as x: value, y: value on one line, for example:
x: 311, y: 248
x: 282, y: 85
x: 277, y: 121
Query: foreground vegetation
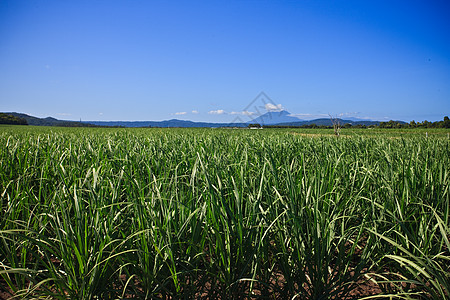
x: 223, y: 214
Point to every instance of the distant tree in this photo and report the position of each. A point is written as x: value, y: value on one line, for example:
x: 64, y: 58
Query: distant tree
x: 446, y: 122
x: 386, y: 124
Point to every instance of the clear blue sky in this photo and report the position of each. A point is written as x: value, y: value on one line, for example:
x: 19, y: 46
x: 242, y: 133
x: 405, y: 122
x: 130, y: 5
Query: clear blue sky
x: 207, y: 60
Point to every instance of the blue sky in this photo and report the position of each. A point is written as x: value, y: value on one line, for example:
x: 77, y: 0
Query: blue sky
x: 208, y: 60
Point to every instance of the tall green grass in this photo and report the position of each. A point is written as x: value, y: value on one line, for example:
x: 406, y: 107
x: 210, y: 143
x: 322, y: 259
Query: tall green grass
x: 230, y: 214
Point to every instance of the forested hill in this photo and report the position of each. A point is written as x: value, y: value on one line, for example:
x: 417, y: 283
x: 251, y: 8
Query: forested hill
x: 49, y: 121
x: 12, y: 120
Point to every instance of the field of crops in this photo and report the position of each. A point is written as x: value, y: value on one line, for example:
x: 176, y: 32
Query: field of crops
x: 223, y: 214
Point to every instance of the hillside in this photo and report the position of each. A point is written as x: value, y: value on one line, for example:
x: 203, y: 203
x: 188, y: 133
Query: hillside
x: 12, y: 120
x: 49, y: 121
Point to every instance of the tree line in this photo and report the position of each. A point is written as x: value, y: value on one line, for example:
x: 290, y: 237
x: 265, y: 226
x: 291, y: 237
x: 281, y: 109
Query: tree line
x: 389, y: 124
x: 425, y: 124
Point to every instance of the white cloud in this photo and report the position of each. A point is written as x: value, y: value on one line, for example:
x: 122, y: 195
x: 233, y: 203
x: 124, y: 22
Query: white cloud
x: 355, y: 114
x: 308, y: 115
x: 195, y: 111
x: 366, y: 118
x: 64, y: 114
x: 180, y: 113
x: 271, y: 107
x: 216, y: 112
x: 244, y: 113
x: 100, y: 113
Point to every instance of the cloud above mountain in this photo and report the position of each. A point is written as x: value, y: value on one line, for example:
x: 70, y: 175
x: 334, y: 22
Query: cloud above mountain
x: 273, y: 108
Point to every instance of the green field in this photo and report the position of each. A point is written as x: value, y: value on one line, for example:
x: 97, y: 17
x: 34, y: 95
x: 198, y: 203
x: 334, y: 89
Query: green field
x: 224, y: 214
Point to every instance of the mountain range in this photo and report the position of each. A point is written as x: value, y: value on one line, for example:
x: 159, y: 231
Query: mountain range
x: 279, y: 118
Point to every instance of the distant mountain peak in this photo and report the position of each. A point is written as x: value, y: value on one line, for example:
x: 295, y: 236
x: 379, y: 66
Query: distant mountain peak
x: 275, y: 117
